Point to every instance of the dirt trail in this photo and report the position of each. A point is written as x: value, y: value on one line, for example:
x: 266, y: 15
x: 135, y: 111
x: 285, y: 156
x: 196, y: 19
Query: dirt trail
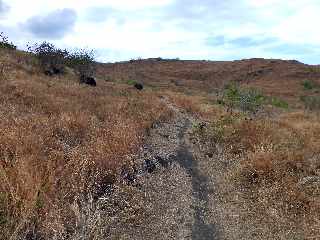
x: 200, y: 229
x: 168, y: 195
x: 181, y: 152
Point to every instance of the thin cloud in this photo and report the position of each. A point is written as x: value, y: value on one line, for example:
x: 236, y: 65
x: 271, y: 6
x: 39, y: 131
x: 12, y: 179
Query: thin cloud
x: 4, y: 8
x: 55, y: 25
x: 188, y: 29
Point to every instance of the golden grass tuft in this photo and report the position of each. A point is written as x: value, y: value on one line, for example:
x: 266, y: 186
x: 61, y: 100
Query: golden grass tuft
x: 58, y: 140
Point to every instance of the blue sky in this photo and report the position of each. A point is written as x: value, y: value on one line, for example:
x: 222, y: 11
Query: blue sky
x: 187, y: 29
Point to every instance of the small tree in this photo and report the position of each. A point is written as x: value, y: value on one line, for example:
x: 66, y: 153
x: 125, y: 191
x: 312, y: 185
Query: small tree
x: 248, y: 100
x: 49, y: 56
x: 82, y: 61
x: 5, y: 44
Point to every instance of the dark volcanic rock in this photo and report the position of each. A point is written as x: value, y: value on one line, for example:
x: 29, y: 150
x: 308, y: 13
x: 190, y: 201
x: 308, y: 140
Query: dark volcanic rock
x: 48, y: 72
x: 88, y: 80
x: 54, y: 71
x: 163, y: 162
x: 149, y: 166
x: 138, y: 86
x: 128, y: 176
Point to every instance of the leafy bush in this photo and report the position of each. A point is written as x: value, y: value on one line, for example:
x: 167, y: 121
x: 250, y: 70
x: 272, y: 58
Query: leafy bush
x: 309, y: 85
x: 248, y: 100
x: 82, y: 61
x: 49, y: 56
x: 131, y: 82
x: 311, y: 102
x: 278, y: 103
x: 5, y: 44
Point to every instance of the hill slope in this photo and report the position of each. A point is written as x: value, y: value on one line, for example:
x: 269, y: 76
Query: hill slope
x: 275, y: 77
x: 183, y: 159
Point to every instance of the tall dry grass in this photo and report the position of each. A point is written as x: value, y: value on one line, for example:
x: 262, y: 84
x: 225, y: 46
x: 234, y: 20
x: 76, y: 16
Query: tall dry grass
x: 274, y: 168
x: 271, y: 165
x: 60, y: 140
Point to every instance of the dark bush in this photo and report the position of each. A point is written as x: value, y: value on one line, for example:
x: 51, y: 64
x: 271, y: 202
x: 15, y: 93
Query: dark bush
x: 52, y: 59
x: 82, y: 61
x: 309, y: 85
x: 88, y: 80
x: 5, y: 44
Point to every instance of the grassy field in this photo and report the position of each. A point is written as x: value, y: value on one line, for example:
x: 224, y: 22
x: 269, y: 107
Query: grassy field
x: 60, y: 140
x: 270, y: 164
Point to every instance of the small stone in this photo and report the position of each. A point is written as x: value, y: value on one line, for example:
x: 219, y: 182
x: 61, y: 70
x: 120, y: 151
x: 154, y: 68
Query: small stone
x: 210, y: 155
x: 162, y: 161
x: 149, y: 166
x: 88, y: 80
x: 138, y: 86
x: 127, y: 176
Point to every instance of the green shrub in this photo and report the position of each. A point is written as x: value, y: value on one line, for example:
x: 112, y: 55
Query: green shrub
x: 309, y: 85
x: 82, y: 60
x: 5, y: 44
x: 219, y: 130
x: 131, y: 82
x: 276, y: 102
x: 49, y: 56
x: 248, y: 100
x: 311, y: 102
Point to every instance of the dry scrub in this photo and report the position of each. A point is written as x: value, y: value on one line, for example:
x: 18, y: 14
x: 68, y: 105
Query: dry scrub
x: 269, y: 174
x: 274, y: 170
x: 60, y: 140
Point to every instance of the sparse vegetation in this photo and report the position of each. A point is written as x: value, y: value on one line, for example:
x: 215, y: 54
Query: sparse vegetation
x: 248, y: 100
x: 309, y: 85
x: 55, y: 60
x: 82, y: 61
x: 49, y: 56
x: 311, y: 103
x: 62, y: 146
x: 272, y: 165
x: 58, y: 143
x: 131, y: 82
x: 277, y: 102
x: 5, y: 44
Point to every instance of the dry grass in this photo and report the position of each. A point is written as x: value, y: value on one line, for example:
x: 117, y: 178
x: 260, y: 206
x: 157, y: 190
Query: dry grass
x: 59, y: 140
x: 272, y: 165
x: 201, y: 106
x: 275, y: 169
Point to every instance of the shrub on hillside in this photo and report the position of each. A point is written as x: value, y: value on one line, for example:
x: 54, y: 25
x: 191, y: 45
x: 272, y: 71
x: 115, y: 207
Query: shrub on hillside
x: 82, y: 61
x: 131, y: 82
x: 248, y: 100
x: 50, y: 57
x: 277, y: 102
x: 311, y: 103
x: 53, y: 60
x: 309, y: 85
x: 5, y: 44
